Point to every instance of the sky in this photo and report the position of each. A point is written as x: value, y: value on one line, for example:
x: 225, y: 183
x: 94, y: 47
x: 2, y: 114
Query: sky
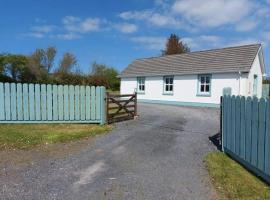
x: 115, y: 32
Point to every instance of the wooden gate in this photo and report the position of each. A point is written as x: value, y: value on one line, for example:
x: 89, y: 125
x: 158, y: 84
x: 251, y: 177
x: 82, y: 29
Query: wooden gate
x: 121, y: 107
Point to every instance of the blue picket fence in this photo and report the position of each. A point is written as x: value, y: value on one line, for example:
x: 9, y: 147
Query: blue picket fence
x: 41, y: 103
x: 246, y: 132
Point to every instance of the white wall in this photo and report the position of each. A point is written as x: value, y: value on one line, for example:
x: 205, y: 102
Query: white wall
x: 185, y: 87
x: 256, y: 69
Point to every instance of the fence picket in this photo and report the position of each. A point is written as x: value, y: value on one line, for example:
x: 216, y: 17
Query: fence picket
x: 31, y: 102
x: 93, y: 103
x: 77, y: 102
x: 13, y: 101
x: 71, y: 102
x: 254, y: 135
x: 7, y: 101
x: 49, y: 102
x: 37, y: 102
x: 98, y: 102
x: 229, y: 133
x: 87, y: 103
x: 25, y: 102
x: 267, y: 139
x: 261, y: 133
x: 55, y: 102
x: 248, y: 129
x: 60, y: 103
x: 82, y: 100
x: 43, y: 102
x: 233, y: 124
x: 237, y: 124
x: 243, y: 127
x: 66, y: 103
x: 2, y: 102
x: 19, y: 102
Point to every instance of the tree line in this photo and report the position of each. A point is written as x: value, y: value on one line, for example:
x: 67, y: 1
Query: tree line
x: 39, y: 67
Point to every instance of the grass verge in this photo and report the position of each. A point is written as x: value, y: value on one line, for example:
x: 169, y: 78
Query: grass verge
x: 232, y: 181
x: 26, y: 136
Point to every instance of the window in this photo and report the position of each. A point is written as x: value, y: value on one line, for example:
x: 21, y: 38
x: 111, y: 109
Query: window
x: 255, y: 85
x: 141, y: 84
x: 204, y: 85
x: 168, y: 85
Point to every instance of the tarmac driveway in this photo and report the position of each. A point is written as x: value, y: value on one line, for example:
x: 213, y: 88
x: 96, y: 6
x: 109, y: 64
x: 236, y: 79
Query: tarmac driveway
x: 159, y: 156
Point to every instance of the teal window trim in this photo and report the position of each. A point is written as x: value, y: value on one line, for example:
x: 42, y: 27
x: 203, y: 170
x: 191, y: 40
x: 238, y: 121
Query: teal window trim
x: 204, y: 94
x: 164, y: 85
x: 140, y: 82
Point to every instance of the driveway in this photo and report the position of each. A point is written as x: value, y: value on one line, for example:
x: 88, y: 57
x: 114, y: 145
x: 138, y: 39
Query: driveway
x: 159, y: 156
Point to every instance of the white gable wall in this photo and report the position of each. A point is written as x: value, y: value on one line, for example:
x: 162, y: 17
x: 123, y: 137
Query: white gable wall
x: 185, y: 88
x: 256, y: 69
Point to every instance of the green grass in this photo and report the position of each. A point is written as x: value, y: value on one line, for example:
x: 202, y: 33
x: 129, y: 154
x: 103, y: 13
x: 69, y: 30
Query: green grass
x: 232, y: 181
x: 26, y: 136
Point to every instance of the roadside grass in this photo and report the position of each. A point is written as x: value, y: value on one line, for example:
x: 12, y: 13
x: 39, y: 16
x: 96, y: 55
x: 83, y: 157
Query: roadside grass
x: 29, y: 135
x: 232, y: 181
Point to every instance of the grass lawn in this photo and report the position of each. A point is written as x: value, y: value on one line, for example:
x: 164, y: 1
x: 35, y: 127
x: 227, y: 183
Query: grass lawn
x: 232, y: 181
x: 26, y: 136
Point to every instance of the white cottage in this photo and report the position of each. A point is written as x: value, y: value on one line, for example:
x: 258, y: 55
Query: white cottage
x: 196, y: 78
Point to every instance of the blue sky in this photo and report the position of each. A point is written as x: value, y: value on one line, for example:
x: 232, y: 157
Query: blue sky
x: 115, y: 32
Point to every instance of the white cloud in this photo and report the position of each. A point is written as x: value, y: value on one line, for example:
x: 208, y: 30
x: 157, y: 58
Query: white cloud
x: 150, y: 42
x: 246, y: 25
x: 126, y: 28
x: 212, y: 13
x: 40, y: 31
x: 137, y: 15
x: 203, y: 42
x: 75, y: 24
x: 68, y: 36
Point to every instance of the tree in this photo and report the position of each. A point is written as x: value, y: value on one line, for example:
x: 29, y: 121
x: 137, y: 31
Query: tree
x: 49, y: 58
x: 175, y: 46
x: 67, y: 63
x: 101, y: 71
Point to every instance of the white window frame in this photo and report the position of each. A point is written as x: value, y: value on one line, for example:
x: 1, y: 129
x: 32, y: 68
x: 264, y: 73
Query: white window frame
x: 141, y: 85
x: 170, y: 85
x: 202, y: 82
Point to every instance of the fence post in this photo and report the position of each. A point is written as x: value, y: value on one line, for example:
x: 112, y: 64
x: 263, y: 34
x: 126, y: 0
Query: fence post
x: 135, y: 104
x: 103, y: 105
x: 221, y: 123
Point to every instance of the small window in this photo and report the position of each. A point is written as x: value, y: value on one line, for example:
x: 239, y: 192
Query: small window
x: 141, y: 84
x: 204, y: 84
x: 168, y: 84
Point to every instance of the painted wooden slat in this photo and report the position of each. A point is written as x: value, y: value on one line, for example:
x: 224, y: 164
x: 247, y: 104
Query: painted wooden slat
x: 87, y: 103
x: 66, y: 103
x: 228, y: 128
x: 82, y: 102
x: 55, y: 102
x: 37, y: 102
x: 261, y: 133
x: 243, y: 127
x: 49, y: 103
x: 254, y: 132
x: 19, y: 102
x: 13, y: 101
x: 103, y: 105
x: 71, y: 102
x: 93, y: 103
x: 25, y: 102
x: 267, y: 139
x: 7, y: 102
x: 237, y: 125
x: 233, y: 124
x: 224, y: 121
x: 31, y: 102
x: 98, y: 103
x: 77, y: 102
x: 248, y: 129
x: 43, y: 102
x: 2, y: 102
x: 60, y: 103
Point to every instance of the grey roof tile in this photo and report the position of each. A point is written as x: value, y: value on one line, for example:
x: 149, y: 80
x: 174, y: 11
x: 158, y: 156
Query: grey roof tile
x: 230, y: 59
